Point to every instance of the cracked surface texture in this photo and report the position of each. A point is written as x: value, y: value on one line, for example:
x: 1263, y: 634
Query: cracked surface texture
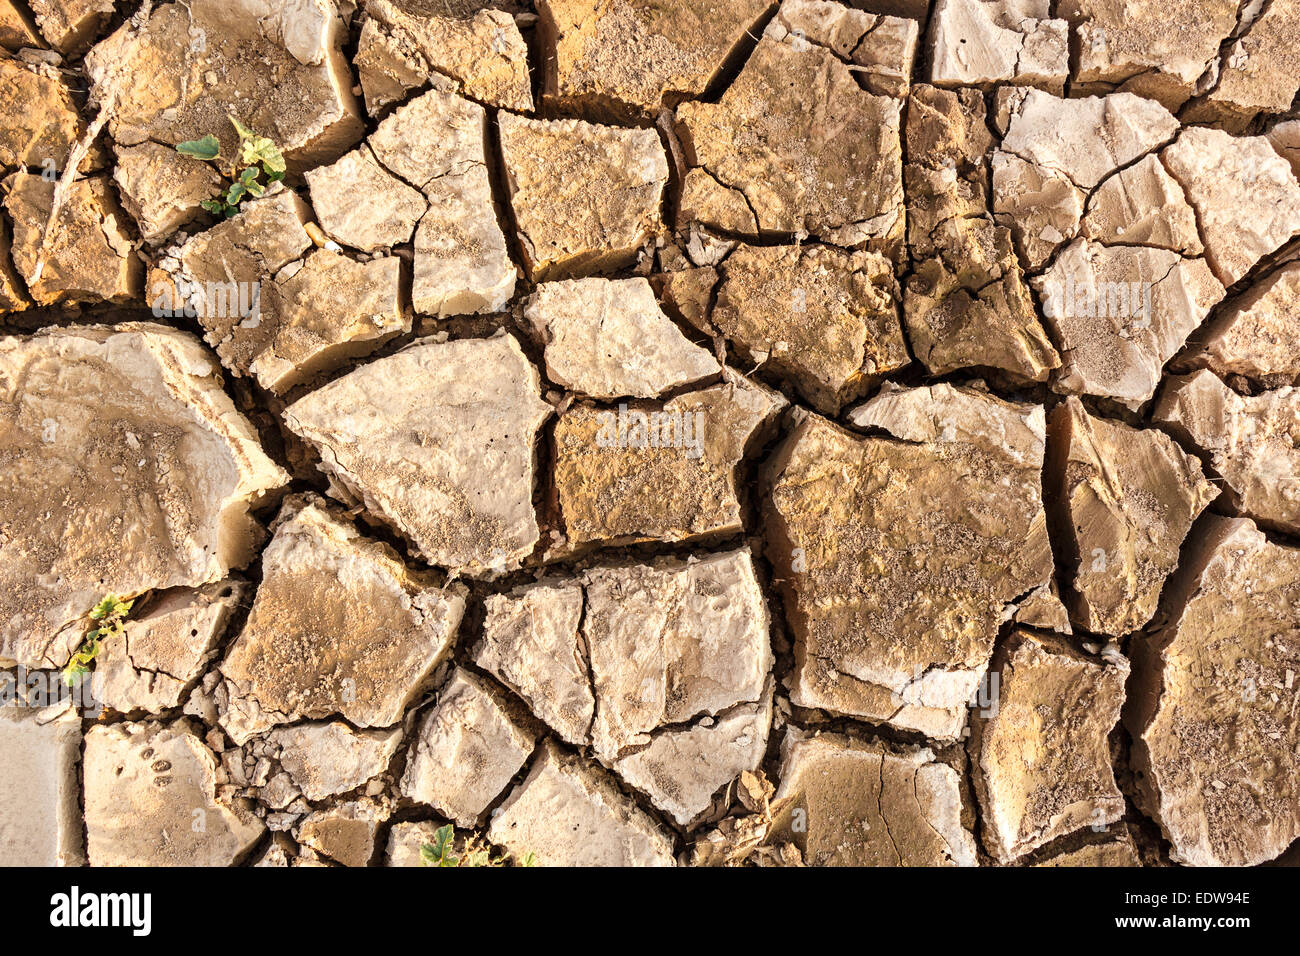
x: 651, y: 433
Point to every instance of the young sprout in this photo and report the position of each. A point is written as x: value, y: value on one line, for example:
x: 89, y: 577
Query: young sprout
x: 474, y: 853
x: 109, y: 617
x: 258, y: 163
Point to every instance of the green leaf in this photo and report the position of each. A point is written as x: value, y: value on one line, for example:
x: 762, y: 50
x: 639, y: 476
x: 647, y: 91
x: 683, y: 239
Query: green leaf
x: 272, y: 160
x: 206, y: 148
x: 234, y: 194
x: 248, y: 179
x: 243, y: 131
x: 438, y: 853
x: 442, y: 845
x: 110, y: 607
x: 261, y: 151
x: 215, y: 206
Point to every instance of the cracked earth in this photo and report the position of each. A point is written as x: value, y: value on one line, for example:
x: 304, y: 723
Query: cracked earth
x: 653, y: 433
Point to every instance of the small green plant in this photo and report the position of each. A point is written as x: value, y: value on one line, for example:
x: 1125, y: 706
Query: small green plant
x: 109, y: 618
x: 258, y: 164
x: 441, y: 852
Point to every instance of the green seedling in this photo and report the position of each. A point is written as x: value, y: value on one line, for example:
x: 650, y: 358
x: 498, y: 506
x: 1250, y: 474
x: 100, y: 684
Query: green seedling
x: 441, y: 852
x: 257, y: 164
x: 108, y: 618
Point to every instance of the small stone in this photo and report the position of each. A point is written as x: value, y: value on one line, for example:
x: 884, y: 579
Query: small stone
x: 1122, y: 312
x: 1040, y: 205
x: 983, y: 42
x: 1250, y: 441
x: 280, y: 68
x: 1131, y: 495
x: 339, y: 626
x: 946, y: 176
x: 331, y: 309
x: 279, y: 791
x: 608, y: 338
x: 269, y: 315
x: 1088, y: 138
x: 703, y: 200
x: 436, y: 143
x: 119, y: 429
x: 151, y: 800
x: 1142, y: 205
x: 39, y: 122
x: 879, y: 49
x: 266, y: 235
x: 164, y: 650
x: 1116, y: 851
x: 13, y: 293
x: 89, y: 258
x: 966, y: 303
x: 161, y: 189
x: 466, y: 751
x: 1284, y: 137
x: 685, y: 717
x: 437, y: 441
x: 345, y: 833
x: 687, y: 295
x: 1208, y: 706
x: 1043, y: 608
x: 531, y: 644
x: 1158, y: 49
x: 405, y: 841
x: 70, y: 25
x: 569, y: 813
x: 681, y: 770
x: 844, y: 802
x: 619, y: 60
x: 279, y: 854
x: 803, y: 146
x: 277, y: 324
x: 1042, y: 759
x: 666, y: 471
x: 1252, y: 334
x: 327, y: 759
x: 362, y: 205
x: 895, y: 607
x: 217, y: 275
x: 1056, y: 151
x: 671, y: 642
x: 586, y: 198
x: 826, y: 319
x: 40, y: 813
x: 1260, y: 72
x: 17, y: 31
x: 731, y: 843
x: 403, y: 47
x: 1246, y: 198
